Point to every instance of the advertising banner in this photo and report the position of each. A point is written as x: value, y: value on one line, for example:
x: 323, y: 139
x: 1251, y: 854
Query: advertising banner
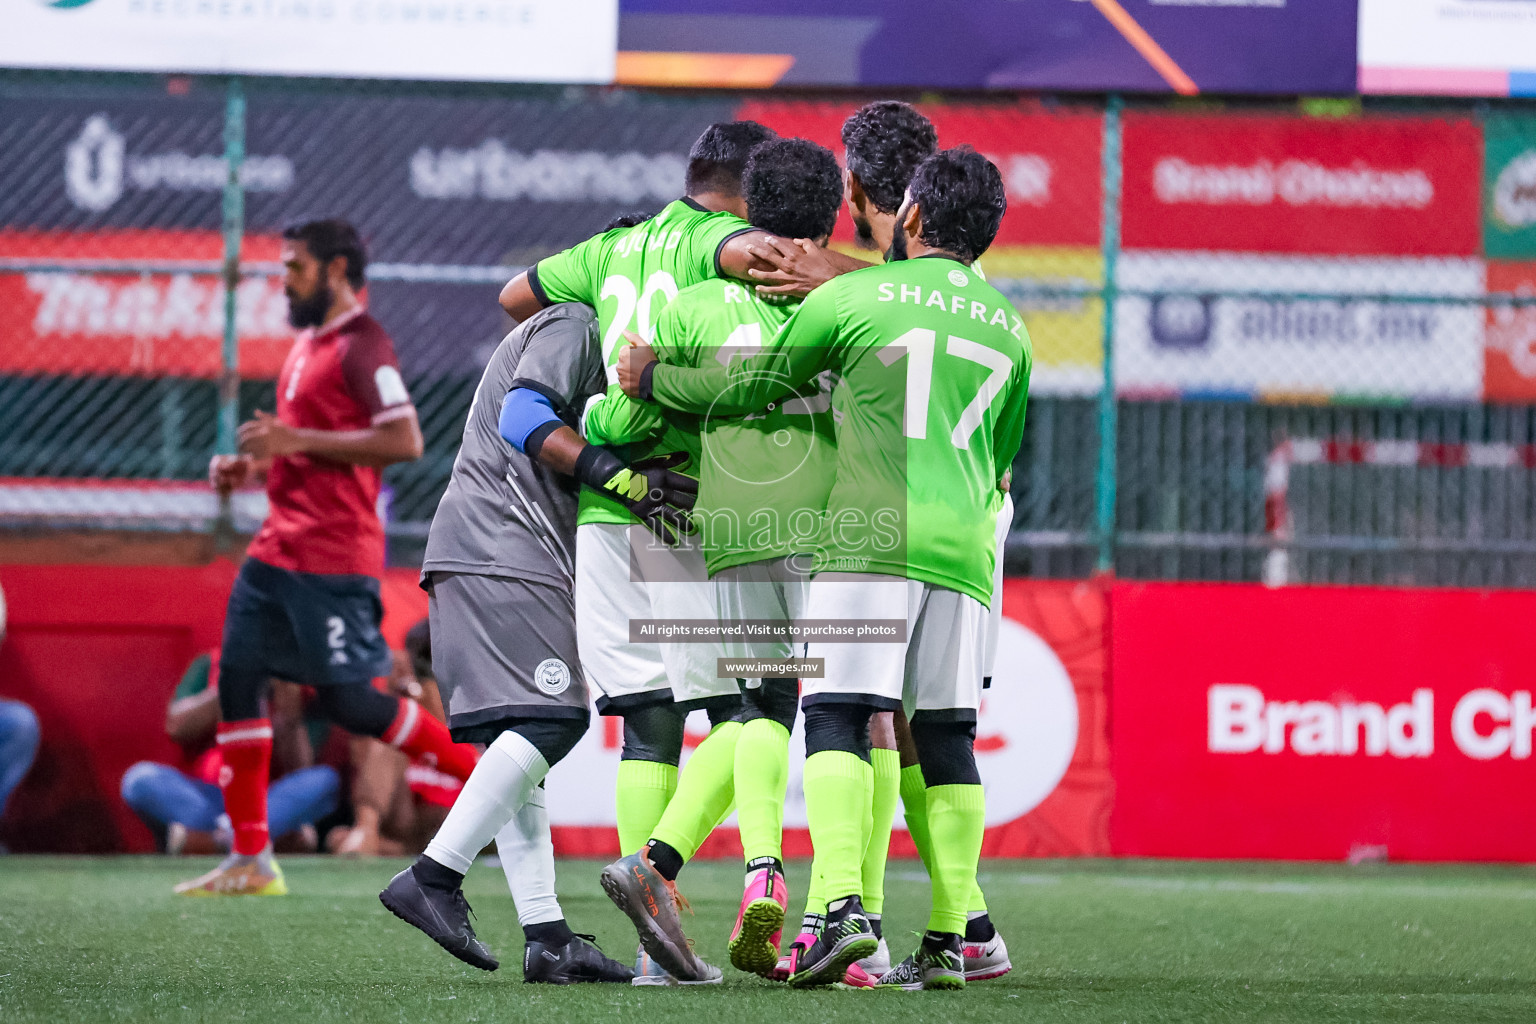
x: 1210, y: 324
x: 445, y: 189
x: 1510, y: 336
x: 1042, y: 742
x: 1322, y: 723
x: 1049, y: 160
x: 1048, y: 244
x: 1384, y: 186
x: 1448, y: 47
x: 468, y: 40
x: 450, y: 181
x: 135, y: 324
x: 1509, y: 186
x: 1223, y: 46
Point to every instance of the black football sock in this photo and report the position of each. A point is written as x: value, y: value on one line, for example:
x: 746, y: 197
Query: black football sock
x: 874, y: 925
x: 936, y: 942
x: 432, y: 874
x: 550, y: 933
x: 665, y: 859
x: 979, y: 929
x: 760, y: 863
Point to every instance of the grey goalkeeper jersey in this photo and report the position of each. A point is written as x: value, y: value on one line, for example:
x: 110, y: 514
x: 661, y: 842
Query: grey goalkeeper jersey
x: 504, y: 514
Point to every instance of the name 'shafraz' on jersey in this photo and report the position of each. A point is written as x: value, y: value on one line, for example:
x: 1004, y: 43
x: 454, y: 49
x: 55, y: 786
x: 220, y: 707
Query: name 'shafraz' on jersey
x: 958, y: 305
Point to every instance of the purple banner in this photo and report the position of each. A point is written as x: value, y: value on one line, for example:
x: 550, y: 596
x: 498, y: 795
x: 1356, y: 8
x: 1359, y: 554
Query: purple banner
x: 1216, y: 46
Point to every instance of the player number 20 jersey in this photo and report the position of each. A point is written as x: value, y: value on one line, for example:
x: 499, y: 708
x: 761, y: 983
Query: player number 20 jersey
x: 629, y: 275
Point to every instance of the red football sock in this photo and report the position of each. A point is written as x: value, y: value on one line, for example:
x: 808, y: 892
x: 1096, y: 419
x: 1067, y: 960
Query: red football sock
x: 420, y: 735
x: 247, y: 750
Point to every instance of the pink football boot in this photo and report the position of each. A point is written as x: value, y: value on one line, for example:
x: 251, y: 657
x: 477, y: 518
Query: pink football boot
x: 754, y: 944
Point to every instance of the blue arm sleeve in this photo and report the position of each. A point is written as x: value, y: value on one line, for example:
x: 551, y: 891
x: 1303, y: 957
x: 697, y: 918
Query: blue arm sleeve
x: 524, y: 411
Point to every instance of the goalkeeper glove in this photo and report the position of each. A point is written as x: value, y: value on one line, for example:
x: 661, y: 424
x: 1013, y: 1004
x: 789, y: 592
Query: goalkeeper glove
x: 656, y: 496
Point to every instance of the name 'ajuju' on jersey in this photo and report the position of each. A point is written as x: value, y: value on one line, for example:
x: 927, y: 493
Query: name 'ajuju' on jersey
x: 933, y: 371
x: 629, y: 275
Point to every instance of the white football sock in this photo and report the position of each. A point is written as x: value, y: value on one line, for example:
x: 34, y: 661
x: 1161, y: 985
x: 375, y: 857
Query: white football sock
x: 528, y: 857
x: 499, y: 786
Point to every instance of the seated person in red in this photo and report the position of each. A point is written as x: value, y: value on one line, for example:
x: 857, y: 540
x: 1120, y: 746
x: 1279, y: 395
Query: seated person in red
x: 184, y: 806
x: 18, y: 737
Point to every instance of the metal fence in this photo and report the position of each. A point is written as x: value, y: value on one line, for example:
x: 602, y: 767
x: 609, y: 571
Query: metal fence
x: 1278, y: 279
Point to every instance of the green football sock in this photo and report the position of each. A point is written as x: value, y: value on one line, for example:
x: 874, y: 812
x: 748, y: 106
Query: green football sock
x: 887, y: 783
x: 838, y: 789
x: 640, y: 796
x: 914, y: 805
x: 762, y: 778
x: 957, y: 816
x: 706, y: 788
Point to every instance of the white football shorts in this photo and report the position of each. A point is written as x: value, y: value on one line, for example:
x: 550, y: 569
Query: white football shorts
x: 618, y: 581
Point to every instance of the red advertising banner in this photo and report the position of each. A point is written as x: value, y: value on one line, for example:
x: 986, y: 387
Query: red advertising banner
x: 1509, y: 352
x: 1381, y: 186
x: 99, y: 320
x: 1322, y: 723
x: 1042, y: 745
x: 1050, y: 626
x: 1049, y: 161
x: 96, y: 651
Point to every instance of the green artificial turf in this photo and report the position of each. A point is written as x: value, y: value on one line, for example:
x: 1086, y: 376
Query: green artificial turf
x: 1129, y: 941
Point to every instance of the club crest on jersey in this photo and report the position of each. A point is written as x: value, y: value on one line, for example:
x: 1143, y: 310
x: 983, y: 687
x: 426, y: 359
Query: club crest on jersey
x: 958, y: 278
x: 553, y: 676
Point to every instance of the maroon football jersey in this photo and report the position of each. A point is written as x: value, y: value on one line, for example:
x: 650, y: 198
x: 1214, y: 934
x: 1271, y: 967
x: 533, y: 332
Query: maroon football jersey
x: 323, y: 516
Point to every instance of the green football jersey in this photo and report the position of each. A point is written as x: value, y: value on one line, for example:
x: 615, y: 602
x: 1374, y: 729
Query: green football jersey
x: 764, y: 476
x: 629, y: 275
x: 933, y: 371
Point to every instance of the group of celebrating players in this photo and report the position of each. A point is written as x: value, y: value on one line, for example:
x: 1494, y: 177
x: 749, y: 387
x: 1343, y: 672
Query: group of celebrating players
x: 704, y: 416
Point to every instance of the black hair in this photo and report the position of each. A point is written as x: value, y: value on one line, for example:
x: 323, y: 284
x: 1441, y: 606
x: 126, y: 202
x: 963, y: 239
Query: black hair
x: 329, y: 238
x: 960, y: 193
x: 885, y: 142
x: 627, y: 220
x: 719, y: 156
x: 418, y: 645
x: 793, y: 187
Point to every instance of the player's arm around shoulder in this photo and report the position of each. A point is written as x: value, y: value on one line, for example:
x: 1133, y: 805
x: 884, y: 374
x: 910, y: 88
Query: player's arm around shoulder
x: 677, y: 344
x: 782, y: 267
x: 808, y: 341
x: 520, y: 298
x: 741, y: 386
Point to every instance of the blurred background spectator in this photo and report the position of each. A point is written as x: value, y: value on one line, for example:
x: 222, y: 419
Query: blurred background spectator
x: 397, y: 802
x: 184, y: 806
x: 18, y: 737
